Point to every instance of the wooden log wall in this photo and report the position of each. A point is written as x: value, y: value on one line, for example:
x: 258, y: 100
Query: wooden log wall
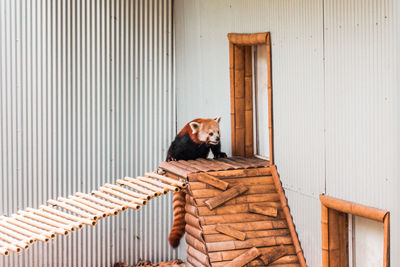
x: 241, y: 90
x: 236, y: 231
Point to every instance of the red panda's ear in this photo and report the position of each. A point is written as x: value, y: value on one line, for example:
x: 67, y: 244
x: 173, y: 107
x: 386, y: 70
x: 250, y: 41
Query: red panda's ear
x: 195, y: 126
x: 217, y: 119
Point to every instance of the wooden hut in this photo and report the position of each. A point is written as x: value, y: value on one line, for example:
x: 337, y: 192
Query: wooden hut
x: 236, y: 213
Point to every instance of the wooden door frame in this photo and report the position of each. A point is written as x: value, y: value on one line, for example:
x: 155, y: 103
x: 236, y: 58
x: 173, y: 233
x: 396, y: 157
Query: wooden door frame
x: 241, y: 92
x: 333, y: 232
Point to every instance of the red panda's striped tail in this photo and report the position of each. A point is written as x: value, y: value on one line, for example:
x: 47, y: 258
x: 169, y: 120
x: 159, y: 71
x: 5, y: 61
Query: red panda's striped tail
x: 178, y: 227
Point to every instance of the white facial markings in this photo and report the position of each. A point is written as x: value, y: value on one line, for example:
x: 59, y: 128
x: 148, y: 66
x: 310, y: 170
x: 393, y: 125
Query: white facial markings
x: 207, y: 130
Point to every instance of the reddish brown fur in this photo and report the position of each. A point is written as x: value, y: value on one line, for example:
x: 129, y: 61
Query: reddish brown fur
x: 178, y: 227
x: 188, y: 130
x: 199, y: 148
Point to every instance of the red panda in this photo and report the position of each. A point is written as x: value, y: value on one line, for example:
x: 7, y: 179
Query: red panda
x: 194, y: 141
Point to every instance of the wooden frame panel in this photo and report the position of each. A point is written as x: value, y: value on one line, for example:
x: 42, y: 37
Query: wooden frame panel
x: 241, y: 92
x: 335, y: 234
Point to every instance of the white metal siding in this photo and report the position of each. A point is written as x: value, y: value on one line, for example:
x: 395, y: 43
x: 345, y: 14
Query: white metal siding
x: 335, y: 93
x: 86, y: 97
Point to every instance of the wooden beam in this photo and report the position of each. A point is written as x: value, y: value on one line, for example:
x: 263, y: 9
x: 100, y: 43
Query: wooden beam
x: 248, y: 39
x: 217, y: 201
x: 227, y: 230
x: 264, y: 210
x: 245, y: 258
x: 274, y: 254
x: 213, y: 181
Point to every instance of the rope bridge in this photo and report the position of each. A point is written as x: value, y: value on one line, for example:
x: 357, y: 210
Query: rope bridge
x: 20, y: 230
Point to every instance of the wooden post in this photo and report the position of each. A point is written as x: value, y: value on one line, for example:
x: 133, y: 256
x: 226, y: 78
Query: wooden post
x: 232, y: 87
x: 248, y: 96
x: 386, y: 239
x: 270, y: 112
x: 239, y: 102
x: 325, y: 236
x: 334, y: 246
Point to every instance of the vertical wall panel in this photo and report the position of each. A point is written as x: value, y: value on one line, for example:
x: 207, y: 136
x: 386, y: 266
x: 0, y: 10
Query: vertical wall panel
x: 86, y: 97
x: 335, y: 92
x: 298, y: 87
x: 362, y: 100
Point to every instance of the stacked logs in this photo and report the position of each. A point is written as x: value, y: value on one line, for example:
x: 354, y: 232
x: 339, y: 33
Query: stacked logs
x: 65, y: 215
x: 235, y: 217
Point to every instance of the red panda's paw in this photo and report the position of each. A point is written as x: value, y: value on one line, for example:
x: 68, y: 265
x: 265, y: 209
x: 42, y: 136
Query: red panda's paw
x: 220, y: 155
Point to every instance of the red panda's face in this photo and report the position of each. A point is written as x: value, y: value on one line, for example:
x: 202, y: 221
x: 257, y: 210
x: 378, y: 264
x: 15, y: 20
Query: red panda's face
x: 207, y: 130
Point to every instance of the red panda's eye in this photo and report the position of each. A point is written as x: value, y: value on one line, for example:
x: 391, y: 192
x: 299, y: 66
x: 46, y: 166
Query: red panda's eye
x: 211, y: 134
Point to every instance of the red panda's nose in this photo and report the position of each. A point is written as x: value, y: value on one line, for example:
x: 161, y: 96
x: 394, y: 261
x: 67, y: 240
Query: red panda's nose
x: 217, y: 139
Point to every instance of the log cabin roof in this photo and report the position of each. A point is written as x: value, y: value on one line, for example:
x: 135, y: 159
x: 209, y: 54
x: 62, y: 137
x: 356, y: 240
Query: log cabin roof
x: 183, y: 168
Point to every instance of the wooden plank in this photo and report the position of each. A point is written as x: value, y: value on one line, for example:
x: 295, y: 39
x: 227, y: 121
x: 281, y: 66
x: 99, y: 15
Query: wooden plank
x: 248, y: 99
x: 231, y: 209
x: 264, y: 210
x: 229, y: 166
x: 237, y: 164
x: 286, y: 261
x: 261, y: 181
x: 192, y: 220
x: 201, y: 165
x: 248, y: 38
x: 248, y: 243
x: 231, y: 254
x: 198, y: 255
x: 245, y: 199
x: 181, y: 164
x: 197, y: 244
x: 334, y: 246
x: 249, y: 226
x: 228, y: 230
x: 343, y: 239
x: 270, y: 112
x: 211, y: 180
x: 226, y: 196
x: 242, y: 173
x: 274, y: 254
x: 237, y: 217
x: 232, y: 94
x: 245, y: 258
x: 191, y: 209
x: 194, y: 262
x: 386, y: 240
x: 325, y: 236
x: 257, y: 263
x: 195, y: 232
x: 249, y: 234
x: 245, y: 163
x: 174, y: 169
x: 220, y: 165
x: 216, y: 165
x: 252, y: 189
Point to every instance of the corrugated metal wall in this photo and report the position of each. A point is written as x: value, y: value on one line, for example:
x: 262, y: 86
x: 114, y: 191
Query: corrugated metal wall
x: 335, y: 89
x: 86, y: 96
